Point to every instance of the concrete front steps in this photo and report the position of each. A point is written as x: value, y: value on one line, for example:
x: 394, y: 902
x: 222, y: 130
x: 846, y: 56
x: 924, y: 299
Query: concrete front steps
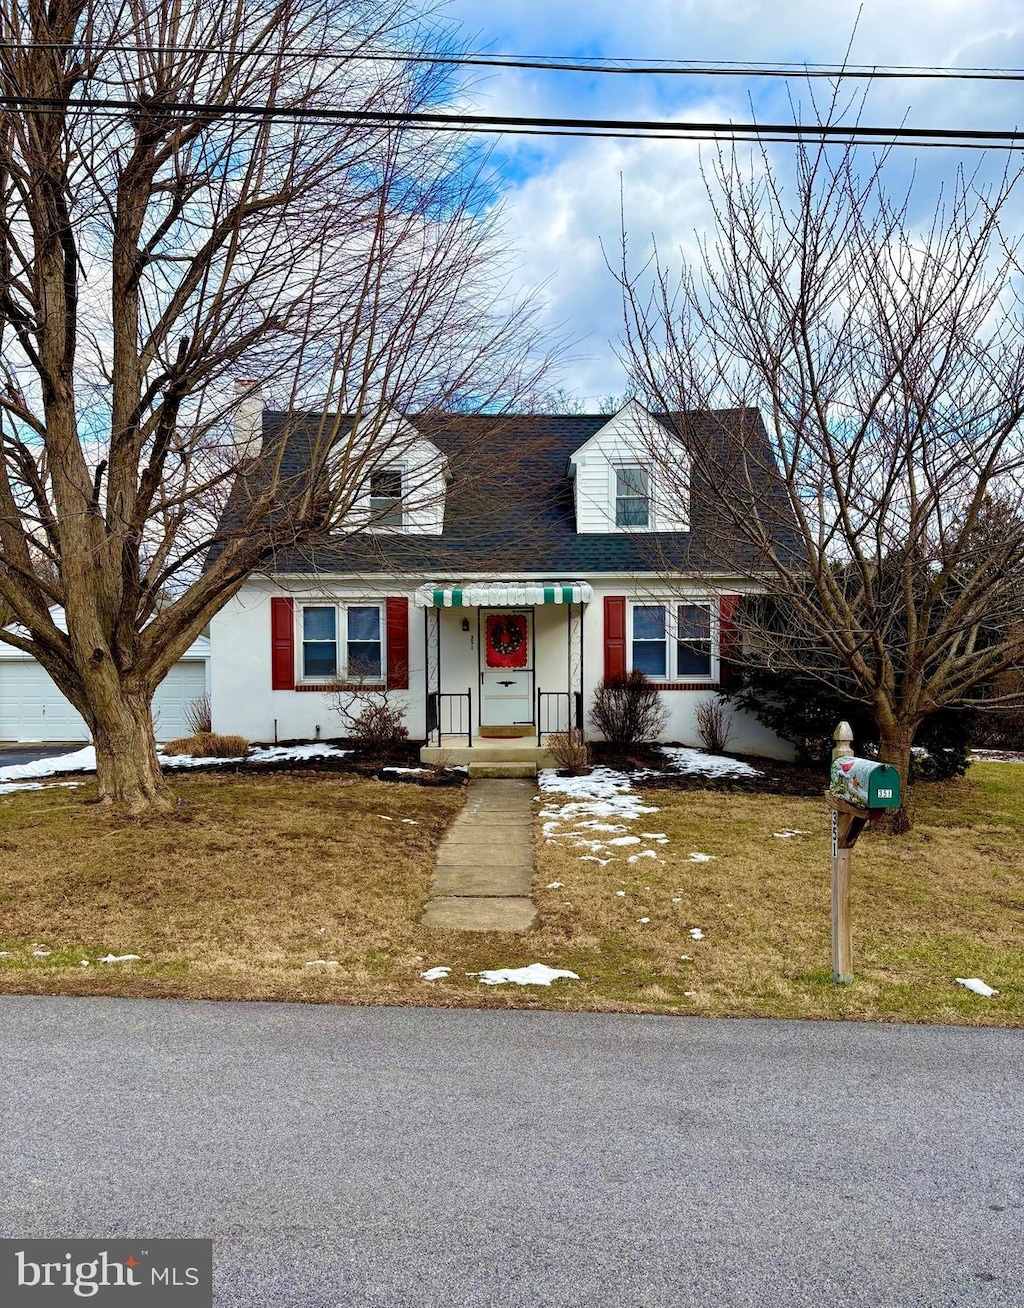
x: 491, y: 753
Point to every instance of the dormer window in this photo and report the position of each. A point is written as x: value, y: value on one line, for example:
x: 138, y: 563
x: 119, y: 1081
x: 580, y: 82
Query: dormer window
x: 632, y: 496
x: 386, y: 498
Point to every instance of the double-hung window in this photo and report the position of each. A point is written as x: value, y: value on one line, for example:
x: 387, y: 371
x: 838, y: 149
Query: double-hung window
x: 386, y: 498
x: 672, y: 640
x: 632, y: 496
x: 342, y: 640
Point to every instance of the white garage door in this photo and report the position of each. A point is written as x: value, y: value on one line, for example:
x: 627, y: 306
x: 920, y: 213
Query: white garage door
x: 32, y: 708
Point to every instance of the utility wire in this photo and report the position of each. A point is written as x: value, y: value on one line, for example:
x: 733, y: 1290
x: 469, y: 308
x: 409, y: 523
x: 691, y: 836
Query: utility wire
x: 516, y: 125
x: 595, y: 64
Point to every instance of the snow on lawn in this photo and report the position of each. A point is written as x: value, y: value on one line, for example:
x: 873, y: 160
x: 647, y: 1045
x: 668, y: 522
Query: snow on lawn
x: 84, y: 760
x: 537, y: 974
x: 976, y: 984
x: 578, y: 809
x: 687, y: 760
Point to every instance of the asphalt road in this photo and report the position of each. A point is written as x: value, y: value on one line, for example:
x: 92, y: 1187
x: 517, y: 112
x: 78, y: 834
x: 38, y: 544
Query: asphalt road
x: 433, y: 1159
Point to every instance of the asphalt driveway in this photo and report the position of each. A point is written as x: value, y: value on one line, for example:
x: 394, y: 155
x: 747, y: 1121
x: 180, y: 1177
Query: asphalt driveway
x: 25, y: 753
x: 422, y: 1158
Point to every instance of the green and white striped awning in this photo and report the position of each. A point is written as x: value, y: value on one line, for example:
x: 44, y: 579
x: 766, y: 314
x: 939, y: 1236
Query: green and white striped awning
x: 503, y: 594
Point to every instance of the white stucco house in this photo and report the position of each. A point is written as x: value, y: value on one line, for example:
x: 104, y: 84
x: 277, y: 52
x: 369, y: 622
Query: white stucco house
x: 501, y: 567
x: 33, y: 710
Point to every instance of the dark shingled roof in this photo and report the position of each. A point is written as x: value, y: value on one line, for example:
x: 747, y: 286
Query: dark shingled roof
x: 509, y: 506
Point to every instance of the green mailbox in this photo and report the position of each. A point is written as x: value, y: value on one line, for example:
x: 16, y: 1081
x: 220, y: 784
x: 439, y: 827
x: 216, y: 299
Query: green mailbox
x: 865, y: 784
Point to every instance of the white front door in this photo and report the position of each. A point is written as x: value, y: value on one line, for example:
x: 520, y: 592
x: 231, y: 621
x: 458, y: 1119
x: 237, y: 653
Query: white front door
x: 506, y: 667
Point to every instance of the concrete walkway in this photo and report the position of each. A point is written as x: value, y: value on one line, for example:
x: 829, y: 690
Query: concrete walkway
x: 485, y: 863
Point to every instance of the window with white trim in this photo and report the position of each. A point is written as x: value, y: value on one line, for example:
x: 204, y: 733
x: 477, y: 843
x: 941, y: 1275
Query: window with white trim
x: 386, y: 498
x: 673, y: 640
x: 632, y: 495
x: 343, y: 640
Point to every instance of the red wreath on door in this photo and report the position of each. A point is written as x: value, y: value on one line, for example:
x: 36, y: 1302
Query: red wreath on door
x: 506, y: 640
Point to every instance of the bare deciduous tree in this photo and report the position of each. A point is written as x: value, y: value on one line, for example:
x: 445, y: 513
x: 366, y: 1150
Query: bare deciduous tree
x: 881, y: 500
x: 192, y: 196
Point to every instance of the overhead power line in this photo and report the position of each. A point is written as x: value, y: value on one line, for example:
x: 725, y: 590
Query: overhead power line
x: 595, y: 64
x: 497, y: 124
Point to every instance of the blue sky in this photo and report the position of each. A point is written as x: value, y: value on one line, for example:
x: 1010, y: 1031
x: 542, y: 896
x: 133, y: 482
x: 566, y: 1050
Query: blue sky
x: 561, y: 198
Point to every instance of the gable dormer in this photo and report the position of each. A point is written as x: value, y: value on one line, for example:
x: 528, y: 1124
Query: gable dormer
x: 632, y: 475
x: 402, y: 477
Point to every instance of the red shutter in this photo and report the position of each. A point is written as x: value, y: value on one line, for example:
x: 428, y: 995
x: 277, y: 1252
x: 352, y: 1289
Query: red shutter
x: 728, y: 640
x: 398, y: 642
x: 282, y: 643
x: 614, y: 636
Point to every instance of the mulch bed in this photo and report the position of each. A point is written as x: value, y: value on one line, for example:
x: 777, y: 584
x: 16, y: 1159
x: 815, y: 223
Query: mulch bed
x: 776, y: 777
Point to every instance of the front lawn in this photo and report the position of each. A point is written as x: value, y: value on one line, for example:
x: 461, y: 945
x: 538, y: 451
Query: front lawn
x: 258, y: 876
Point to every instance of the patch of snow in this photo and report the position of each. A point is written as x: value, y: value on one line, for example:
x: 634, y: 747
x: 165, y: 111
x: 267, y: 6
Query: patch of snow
x: 997, y: 756
x: 41, y: 953
x: 655, y: 835
x: 435, y: 973
x: 644, y: 853
x: 282, y: 753
x: 643, y: 919
x: 620, y: 893
x: 690, y: 994
x: 625, y: 840
x: 537, y: 974
x: 5, y: 953
x: 405, y: 771
x: 410, y: 822
x: 701, y: 858
x: 81, y: 760
x: 84, y: 760
x: 384, y: 817
x: 119, y: 958
x: 676, y: 900
x: 686, y: 958
x: 695, y: 761
x: 592, y: 858
x: 697, y: 933
x: 554, y: 885
x: 976, y: 984
x: 324, y: 962
x: 788, y: 833
x: 84, y: 963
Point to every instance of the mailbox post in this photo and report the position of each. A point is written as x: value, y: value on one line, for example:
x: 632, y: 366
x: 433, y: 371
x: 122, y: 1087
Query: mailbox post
x: 860, y: 791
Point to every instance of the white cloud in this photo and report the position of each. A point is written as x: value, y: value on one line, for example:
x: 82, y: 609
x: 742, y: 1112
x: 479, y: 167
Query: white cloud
x: 562, y: 196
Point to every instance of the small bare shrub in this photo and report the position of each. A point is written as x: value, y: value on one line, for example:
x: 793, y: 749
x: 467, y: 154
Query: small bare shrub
x: 208, y: 744
x: 570, y: 751
x: 199, y: 715
x: 371, y: 719
x: 714, y: 725
x: 628, y: 710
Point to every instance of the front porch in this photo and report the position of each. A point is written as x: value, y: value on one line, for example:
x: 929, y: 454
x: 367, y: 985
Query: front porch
x: 504, y: 670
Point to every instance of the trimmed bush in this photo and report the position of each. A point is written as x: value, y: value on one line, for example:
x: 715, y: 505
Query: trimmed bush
x: 627, y: 710
x: 714, y: 725
x: 570, y: 751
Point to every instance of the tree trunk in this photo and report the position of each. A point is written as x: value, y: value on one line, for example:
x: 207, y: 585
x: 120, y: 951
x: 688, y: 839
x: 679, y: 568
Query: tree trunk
x: 127, y: 767
x: 894, y: 748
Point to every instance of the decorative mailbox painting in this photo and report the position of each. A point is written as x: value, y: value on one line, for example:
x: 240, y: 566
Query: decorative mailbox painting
x: 865, y: 783
x: 507, y: 642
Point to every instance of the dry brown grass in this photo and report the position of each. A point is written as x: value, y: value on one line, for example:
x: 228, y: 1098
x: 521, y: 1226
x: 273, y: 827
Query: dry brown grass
x: 258, y: 875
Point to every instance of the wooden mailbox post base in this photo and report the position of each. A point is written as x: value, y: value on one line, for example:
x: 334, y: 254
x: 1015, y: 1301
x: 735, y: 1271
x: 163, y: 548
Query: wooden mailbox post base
x: 847, y: 824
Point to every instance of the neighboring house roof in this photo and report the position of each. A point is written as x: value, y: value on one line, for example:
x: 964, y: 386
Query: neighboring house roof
x: 509, y: 506
x: 199, y: 649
